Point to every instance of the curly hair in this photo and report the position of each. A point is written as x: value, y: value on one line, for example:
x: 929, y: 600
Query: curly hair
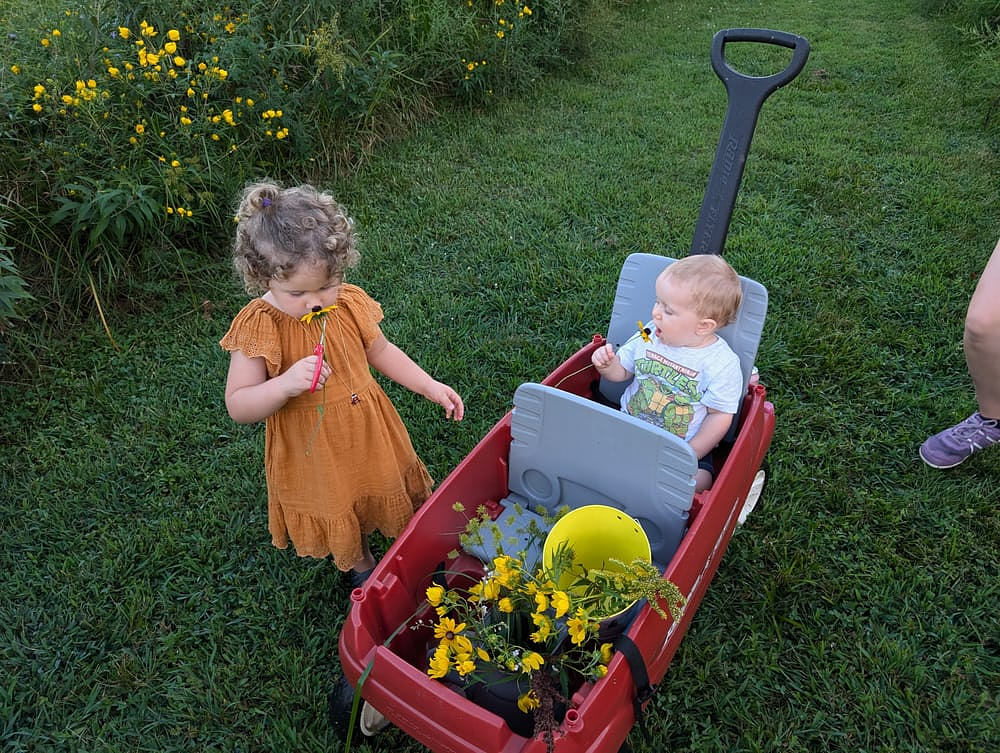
x: 714, y: 285
x: 278, y: 229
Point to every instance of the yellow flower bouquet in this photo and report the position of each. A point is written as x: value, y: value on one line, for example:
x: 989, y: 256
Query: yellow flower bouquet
x: 539, y: 630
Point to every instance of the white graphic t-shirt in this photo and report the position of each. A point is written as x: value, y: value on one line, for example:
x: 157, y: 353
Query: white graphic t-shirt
x: 673, y: 387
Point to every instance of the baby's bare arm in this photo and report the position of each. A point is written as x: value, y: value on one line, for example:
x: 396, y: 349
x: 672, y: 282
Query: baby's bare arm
x: 711, y: 432
x: 608, y: 365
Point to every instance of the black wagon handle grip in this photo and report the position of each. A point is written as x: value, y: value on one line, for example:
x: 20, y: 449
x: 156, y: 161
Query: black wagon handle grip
x: 763, y: 85
x: 746, y: 95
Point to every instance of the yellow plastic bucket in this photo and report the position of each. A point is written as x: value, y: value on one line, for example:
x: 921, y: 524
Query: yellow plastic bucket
x: 596, y: 534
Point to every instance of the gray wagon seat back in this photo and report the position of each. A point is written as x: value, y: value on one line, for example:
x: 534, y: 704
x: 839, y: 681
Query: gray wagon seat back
x: 634, y: 299
x: 570, y: 450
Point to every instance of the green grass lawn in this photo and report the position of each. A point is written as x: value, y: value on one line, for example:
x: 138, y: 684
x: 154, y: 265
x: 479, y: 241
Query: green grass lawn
x: 144, y: 608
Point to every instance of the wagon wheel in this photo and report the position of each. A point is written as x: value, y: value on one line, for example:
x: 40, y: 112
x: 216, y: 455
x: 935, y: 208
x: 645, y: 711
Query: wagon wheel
x: 755, y: 492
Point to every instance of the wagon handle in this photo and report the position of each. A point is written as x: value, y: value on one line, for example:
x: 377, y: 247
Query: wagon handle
x: 746, y: 95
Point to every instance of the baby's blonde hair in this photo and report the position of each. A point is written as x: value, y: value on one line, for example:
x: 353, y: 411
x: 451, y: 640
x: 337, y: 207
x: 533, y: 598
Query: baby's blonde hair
x: 713, y: 284
x: 278, y: 229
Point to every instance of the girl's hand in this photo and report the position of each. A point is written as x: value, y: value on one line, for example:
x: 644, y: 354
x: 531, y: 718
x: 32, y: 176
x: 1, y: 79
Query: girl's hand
x: 447, y: 398
x: 603, y: 357
x: 252, y: 397
x: 299, y: 377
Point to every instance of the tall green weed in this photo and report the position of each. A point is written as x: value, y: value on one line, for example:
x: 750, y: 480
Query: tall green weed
x: 13, y: 290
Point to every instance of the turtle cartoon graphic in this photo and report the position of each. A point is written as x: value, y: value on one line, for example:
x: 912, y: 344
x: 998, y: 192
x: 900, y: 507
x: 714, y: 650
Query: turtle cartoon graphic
x: 645, y: 403
x: 677, y: 414
x: 672, y: 411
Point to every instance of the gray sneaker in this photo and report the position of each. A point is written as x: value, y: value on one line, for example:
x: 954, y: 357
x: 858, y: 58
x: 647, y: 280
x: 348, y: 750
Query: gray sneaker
x: 952, y: 446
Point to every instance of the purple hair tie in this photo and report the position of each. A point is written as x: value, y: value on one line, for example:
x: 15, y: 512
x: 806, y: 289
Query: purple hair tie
x: 266, y: 202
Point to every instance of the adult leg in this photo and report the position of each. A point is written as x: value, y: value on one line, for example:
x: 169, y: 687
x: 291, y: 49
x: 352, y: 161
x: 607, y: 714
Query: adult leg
x: 954, y: 445
x: 982, y: 338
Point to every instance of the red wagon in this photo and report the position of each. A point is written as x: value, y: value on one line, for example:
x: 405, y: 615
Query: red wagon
x: 563, y: 444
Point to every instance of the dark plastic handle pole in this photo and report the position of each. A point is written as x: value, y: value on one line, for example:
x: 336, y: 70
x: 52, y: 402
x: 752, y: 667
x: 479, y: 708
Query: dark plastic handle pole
x: 746, y: 95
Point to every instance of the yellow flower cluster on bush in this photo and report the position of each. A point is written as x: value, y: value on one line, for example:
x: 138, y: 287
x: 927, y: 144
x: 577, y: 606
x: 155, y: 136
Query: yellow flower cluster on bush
x: 151, y: 89
x: 505, y: 24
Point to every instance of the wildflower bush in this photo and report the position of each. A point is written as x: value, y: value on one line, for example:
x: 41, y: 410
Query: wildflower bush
x: 540, y: 625
x: 131, y: 127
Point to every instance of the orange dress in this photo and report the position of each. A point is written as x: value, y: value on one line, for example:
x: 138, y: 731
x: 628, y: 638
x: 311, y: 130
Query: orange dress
x: 336, y: 469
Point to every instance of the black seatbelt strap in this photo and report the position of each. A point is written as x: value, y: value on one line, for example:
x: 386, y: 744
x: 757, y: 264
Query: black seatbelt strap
x: 644, y: 690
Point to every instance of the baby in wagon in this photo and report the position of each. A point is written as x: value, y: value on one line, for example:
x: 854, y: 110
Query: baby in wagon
x: 684, y: 377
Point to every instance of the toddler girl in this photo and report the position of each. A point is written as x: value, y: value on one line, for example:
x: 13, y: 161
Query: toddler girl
x: 338, y: 460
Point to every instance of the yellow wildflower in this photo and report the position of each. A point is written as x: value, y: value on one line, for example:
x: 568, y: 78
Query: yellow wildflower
x: 439, y: 663
x: 544, y: 625
x: 532, y: 661
x: 173, y: 35
x: 607, y: 652
x: 528, y: 702
x: 465, y: 666
x: 123, y: 32
x: 560, y: 602
x: 577, y: 630
x: 434, y: 593
x: 447, y: 630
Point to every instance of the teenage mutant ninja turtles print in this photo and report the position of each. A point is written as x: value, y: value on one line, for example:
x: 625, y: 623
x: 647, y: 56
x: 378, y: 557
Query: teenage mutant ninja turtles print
x: 674, y: 387
x: 656, y: 400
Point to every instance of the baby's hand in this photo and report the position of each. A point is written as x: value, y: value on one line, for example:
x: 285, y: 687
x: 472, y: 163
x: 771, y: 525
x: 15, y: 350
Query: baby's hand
x: 299, y: 377
x: 603, y: 357
x: 447, y: 398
